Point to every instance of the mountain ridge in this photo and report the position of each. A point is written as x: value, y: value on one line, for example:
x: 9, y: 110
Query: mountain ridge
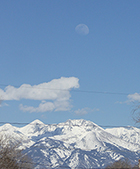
x: 75, y: 143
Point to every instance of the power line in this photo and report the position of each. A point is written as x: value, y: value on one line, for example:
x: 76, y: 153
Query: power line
x: 60, y: 124
x: 100, y: 92
x: 78, y: 91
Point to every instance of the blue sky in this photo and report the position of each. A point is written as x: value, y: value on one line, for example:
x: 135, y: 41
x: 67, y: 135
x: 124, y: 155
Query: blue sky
x: 51, y: 71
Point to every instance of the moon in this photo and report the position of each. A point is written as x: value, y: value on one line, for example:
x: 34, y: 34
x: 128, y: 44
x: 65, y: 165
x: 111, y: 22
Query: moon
x: 82, y: 29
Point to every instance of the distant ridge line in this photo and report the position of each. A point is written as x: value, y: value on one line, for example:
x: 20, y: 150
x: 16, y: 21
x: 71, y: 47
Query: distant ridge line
x: 26, y: 123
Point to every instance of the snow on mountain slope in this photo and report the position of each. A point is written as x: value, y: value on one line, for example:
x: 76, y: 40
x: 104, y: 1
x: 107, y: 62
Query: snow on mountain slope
x: 82, y: 134
x: 129, y: 134
x: 37, y: 130
x: 56, y: 154
x: 49, y: 153
x: 75, y: 143
x: 87, y: 136
x: 12, y: 134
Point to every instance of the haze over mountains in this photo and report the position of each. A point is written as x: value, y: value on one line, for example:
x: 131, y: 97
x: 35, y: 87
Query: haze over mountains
x: 75, y: 143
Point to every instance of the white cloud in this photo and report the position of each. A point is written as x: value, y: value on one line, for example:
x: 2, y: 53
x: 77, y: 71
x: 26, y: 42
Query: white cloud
x: 56, y: 91
x: 43, y: 107
x: 47, y: 106
x: 85, y: 111
x: 134, y: 97
x: 131, y: 98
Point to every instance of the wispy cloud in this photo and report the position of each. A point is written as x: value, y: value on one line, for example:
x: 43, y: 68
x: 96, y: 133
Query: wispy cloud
x: 56, y: 91
x: 3, y: 104
x: 131, y: 98
x: 43, y: 107
x: 48, y: 106
x: 85, y: 110
x: 134, y: 97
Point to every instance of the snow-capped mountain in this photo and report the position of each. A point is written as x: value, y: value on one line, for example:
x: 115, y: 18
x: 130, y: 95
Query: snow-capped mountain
x: 129, y: 134
x: 75, y: 144
x: 14, y: 134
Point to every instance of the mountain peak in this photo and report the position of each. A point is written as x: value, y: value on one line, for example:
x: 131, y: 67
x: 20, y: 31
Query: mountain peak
x: 37, y: 122
x: 75, y: 143
x: 6, y: 126
x: 81, y: 122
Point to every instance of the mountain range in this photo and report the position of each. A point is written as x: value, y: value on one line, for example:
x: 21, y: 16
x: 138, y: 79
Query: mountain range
x: 75, y: 144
